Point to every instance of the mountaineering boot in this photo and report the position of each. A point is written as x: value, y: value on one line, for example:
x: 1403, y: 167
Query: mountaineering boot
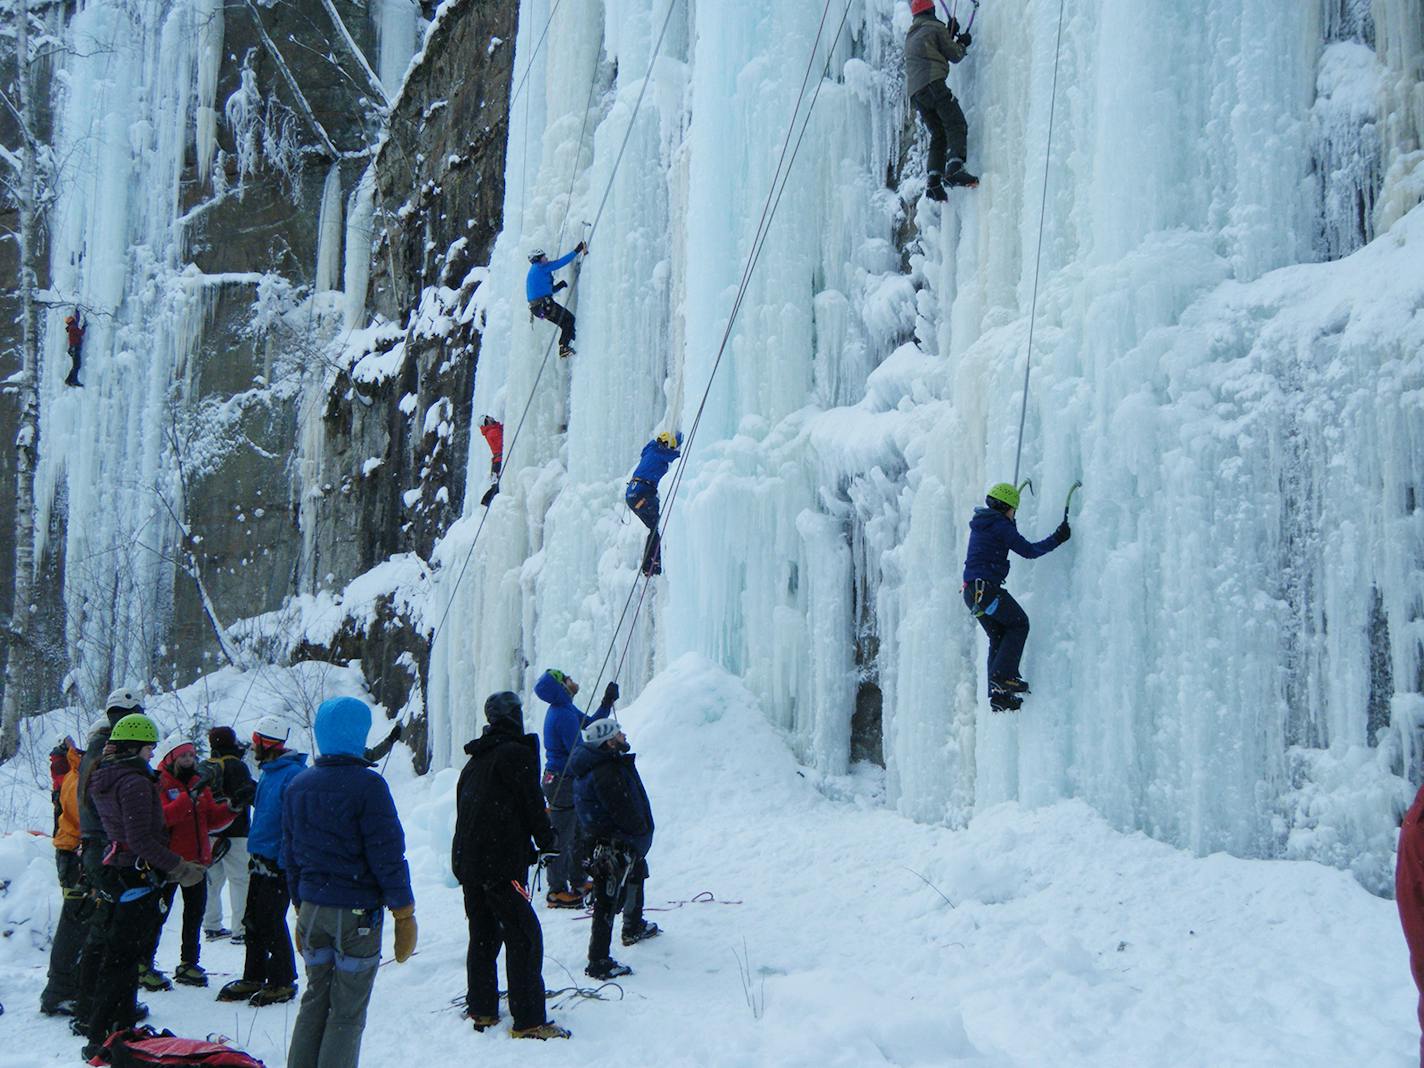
x: 214, y: 933
x: 606, y: 969
x: 566, y: 350
x: 483, y: 1022
x: 90, y: 1051
x: 542, y: 1032
x: 1012, y: 684
x: 563, y: 899
x: 239, y: 990
x: 955, y: 174
x: 190, y: 975
x: 934, y: 188
x: 1005, y: 702
x: 239, y: 938
x: 272, y: 995
x: 152, y: 980
x: 640, y: 933
x: 64, y: 1007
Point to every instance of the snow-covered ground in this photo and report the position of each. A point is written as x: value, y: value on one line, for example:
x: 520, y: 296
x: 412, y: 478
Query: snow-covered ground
x: 835, y: 932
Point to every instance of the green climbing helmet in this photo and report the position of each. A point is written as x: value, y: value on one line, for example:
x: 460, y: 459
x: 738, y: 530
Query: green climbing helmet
x: 135, y: 728
x: 1003, y: 491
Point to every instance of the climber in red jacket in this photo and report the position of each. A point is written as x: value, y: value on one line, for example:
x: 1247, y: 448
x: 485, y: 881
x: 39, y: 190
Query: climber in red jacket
x: 493, y: 431
x: 1409, y: 897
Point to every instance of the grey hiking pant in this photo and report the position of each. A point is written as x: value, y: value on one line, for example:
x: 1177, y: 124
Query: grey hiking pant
x: 342, y: 949
x: 565, y: 872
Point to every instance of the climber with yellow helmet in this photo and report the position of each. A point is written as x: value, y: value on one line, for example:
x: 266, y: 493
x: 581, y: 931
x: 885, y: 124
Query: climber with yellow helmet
x: 642, y: 493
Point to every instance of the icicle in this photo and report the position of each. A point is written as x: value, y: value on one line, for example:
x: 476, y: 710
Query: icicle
x: 209, y: 15
x: 328, y: 249
x: 360, y: 211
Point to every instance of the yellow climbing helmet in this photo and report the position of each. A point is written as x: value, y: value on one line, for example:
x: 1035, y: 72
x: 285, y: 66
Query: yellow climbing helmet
x: 668, y: 440
x: 1003, y: 491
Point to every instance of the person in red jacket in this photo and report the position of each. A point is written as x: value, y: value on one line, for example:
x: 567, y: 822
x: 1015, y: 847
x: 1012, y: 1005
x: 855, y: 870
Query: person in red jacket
x: 1409, y: 897
x: 74, y: 330
x: 191, y: 813
x: 493, y: 431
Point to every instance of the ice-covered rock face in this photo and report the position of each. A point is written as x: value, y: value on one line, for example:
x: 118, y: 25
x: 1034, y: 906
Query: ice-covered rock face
x: 1225, y: 654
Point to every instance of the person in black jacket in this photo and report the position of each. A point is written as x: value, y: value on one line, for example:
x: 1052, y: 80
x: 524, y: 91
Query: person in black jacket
x: 232, y: 782
x: 614, y: 811
x: 498, y: 809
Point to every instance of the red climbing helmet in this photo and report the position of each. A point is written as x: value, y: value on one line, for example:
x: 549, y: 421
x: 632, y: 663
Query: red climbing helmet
x: 919, y: 7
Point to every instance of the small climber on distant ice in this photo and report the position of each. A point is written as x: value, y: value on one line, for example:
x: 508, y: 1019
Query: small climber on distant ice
x: 642, y: 494
x: 74, y: 328
x: 540, y: 287
x: 493, y: 431
x: 992, y: 533
x: 930, y: 47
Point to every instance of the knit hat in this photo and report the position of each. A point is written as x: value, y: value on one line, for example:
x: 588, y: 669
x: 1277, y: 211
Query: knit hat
x: 503, y: 708
x: 600, y: 730
x: 223, y: 738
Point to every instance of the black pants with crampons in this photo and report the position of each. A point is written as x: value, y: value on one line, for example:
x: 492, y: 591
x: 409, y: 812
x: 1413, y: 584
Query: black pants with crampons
x: 545, y: 308
x: 270, y: 959
x: 1005, y: 622
x: 499, y: 914
x: 642, y: 500
x: 945, y: 120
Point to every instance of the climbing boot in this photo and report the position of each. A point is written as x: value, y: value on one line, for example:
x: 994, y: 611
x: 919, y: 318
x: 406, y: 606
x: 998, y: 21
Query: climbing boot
x: 955, y: 174
x: 239, y: 990
x: 152, y: 980
x: 543, y: 1032
x: 212, y: 934
x: 272, y: 995
x: 934, y: 188
x: 566, y: 350
x: 640, y: 932
x: 563, y: 899
x: 606, y: 969
x: 1012, y: 684
x: 483, y: 1023
x: 190, y: 975
x: 1005, y: 702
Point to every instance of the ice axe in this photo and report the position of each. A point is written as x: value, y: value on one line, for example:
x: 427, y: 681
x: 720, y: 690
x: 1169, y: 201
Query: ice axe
x: 1077, y: 485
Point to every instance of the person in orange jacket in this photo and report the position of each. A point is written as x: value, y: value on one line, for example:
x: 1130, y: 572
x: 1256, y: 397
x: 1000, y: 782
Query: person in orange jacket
x: 62, y: 987
x: 493, y: 432
x: 192, y: 813
x: 1409, y: 897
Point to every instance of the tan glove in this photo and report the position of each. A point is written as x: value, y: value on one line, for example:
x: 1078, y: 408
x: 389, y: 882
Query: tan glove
x: 406, y: 932
x: 188, y: 874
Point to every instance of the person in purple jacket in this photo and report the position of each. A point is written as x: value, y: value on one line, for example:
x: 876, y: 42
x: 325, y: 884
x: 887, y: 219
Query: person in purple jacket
x: 563, y: 723
x: 343, y: 851
x: 539, y: 290
x: 992, y: 535
x: 124, y: 791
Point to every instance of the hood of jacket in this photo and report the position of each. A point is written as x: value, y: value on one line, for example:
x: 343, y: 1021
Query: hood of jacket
x: 112, y: 770
x: 585, y: 758
x: 342, y: 725
x: 498, y: 734
x: 985, y: 519
x: 552, y: 691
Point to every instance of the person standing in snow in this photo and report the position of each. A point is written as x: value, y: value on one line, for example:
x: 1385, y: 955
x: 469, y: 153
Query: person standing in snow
x: 62, y: 985
x: 539, y: 290
x: 492, y: 430
x: 499, y: 811
x: 1409, y: 897
x: 930, y: 47
x: 74, y: 331
x: 236, y: 787
x: 138, y: 862
x: 192, y: 814
x: 562, y: 724
x: 269, y: 974
x: 641, y: 496
x: 992, y: 534
x: 615, y: 813
x: 343, y: 851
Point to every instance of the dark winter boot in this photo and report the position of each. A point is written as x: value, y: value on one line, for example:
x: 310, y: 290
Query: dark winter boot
x: 1005, y: 702
x: 213, y: 934
x: 640, y: 932
x: 483, y: 1023
x: 190, y: 975
x: 239, y: 990
x: 566, y: 350
x: 934, y: 188
x: 955, y: 174
x: 606, y: 969
x: 1012, y: 684
x: 272, y: 995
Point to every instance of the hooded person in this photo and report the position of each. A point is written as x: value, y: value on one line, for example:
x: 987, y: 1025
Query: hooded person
x: 562, y: 723
x: 500, y: 826
x: 236, y: 787
x: 124, y: 791
x: 192, y: 814
x: 614, y: 812
x: 61, y: 990
x: 343, y: 850
x: 269, y: 973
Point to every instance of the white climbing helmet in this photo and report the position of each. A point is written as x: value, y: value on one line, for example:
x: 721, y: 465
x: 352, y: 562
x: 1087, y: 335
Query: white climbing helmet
x: 600, y: 730
x: 124, y: 698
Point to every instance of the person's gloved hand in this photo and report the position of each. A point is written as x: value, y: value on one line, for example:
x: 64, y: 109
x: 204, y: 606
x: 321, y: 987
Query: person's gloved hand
x: 583, y: 247
x: 1064, y: 532
x: 964, y: 40
x: 395, y: 734
x: 560, y: 285
x: 611, y: 693
x: 406, y: 932
x: 188, y: 874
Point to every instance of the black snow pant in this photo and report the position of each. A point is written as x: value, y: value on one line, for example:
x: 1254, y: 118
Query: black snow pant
x: 132, y: 912
x: 195, y: 903
x: 73, y: 379
x: 627, y: 895
x: 1005, y: 623
x: 945, y: 119
x: 91, y: 856
x: 545, y: 308
x: 270, y: 959
x: 499, y: 913
x: 565, y: 872
x: 642, y: 499
x: 69, y: 933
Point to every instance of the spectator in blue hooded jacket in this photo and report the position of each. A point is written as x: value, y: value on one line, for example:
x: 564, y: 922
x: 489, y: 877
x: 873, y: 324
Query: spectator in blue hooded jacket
x: 539, y: 290
x: 343, y: 850
x: 992, y: 535
x: 562, y: 724
x: 641, y: 496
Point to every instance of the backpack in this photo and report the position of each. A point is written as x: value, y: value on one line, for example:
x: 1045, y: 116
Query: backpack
x: 143, y: 1047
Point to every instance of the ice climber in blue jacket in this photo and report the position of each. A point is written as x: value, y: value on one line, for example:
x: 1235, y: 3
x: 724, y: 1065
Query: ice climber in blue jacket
x: 563, y: 723
x: 539, y: 290
x: 343, y: 850
x: 642, y: 494
x: 992, y: 534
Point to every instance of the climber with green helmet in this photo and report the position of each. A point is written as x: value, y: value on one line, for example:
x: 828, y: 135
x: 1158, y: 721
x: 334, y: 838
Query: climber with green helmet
x: 992, y: 534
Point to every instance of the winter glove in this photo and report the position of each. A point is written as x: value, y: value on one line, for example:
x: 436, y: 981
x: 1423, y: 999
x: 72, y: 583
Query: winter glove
x: 489, y: 495
x: 1063, y: 533
x: 611, y: 693
x: 188, y: 874
x: 395, y: 734
x: 560, y: 285
x: 406, y: 932
x: 582, y: 247
x: 964, y: 40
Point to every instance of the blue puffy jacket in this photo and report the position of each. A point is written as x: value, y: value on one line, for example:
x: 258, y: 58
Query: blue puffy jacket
x: 563, y: 722
x: 539, y: 282
x: 342, y: 841
x: 655, y: 460
x: 265, y: 837
x: 991, y: 535
x: 609, y: 796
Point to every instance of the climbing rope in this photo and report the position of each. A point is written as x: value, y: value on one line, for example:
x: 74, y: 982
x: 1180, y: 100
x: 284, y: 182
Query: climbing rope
x: 1038, y: 257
